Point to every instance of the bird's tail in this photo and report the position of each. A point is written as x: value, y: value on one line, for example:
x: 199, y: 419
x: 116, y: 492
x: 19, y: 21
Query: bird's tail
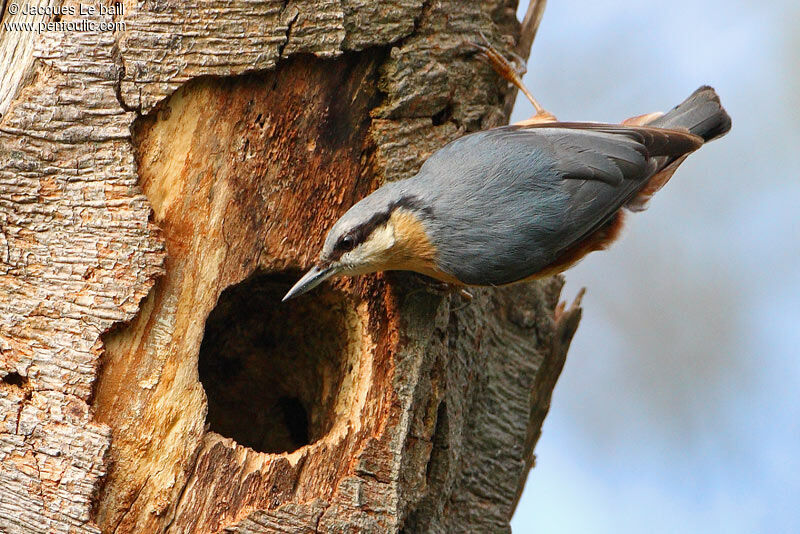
x: 702, y: 114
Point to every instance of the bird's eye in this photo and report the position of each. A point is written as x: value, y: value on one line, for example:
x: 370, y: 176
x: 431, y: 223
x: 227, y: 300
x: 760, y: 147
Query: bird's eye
x: 347, y: 243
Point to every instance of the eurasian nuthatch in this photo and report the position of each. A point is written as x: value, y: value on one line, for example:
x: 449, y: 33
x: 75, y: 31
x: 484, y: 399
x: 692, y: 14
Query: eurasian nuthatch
x: 517, y: 202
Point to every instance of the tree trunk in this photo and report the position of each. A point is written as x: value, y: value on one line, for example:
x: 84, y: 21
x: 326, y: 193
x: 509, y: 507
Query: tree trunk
x: 162, y: 184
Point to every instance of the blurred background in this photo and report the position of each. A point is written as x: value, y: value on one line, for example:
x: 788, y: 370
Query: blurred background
x: 679, y: 406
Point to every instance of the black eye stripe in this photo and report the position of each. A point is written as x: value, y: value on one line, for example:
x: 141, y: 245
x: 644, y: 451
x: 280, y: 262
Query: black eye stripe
x: 360, y: 233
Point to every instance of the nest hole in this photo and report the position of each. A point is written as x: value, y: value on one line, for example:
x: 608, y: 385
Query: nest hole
x: 14, y: 379
x: 275, y: 373
x: 443, y: 115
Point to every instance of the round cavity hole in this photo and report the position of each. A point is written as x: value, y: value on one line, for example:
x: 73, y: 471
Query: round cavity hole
x: 276, y: 374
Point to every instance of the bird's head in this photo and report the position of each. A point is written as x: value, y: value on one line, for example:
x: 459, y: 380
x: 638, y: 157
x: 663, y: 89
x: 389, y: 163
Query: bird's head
x: 384, y: 231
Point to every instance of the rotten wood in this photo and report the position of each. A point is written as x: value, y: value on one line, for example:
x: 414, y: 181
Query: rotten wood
x: 160, y: 188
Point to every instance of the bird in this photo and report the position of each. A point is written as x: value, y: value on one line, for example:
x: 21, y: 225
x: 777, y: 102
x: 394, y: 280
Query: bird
x: 518, y: 202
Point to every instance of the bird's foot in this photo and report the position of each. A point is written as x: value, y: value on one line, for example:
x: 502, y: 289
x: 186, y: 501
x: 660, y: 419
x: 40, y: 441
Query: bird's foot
x: 562, y: 311
x: 466, y: 297
x: 507, y: 71
x: 437, y: 287
x: 444, y: 289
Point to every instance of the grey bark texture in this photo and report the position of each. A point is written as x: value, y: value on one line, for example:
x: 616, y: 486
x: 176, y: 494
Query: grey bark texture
x: 161, y: 185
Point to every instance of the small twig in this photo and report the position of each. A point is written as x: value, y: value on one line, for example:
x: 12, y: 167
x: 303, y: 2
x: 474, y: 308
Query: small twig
x: 530, y: 25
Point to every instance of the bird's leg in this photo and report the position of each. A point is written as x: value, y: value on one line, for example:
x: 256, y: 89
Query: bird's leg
x: 443, y: 289
x: 437, y: 287
x: 429, y: 285
x: 505, y: 69
x: 466, y: 296
x: 561, y: 309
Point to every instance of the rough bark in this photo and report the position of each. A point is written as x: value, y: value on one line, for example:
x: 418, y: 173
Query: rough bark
x: 160, y: 187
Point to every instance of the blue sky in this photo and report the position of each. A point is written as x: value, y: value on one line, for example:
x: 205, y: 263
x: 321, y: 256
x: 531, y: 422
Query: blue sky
x: 678, y: 409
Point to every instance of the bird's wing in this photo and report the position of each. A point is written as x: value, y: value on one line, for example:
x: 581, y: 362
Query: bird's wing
x: 602, y: 167
x: 610, y: 152
x: 516, y: 198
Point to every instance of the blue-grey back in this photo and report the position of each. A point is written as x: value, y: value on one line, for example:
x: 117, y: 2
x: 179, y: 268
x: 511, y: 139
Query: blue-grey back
x: 513, y: 200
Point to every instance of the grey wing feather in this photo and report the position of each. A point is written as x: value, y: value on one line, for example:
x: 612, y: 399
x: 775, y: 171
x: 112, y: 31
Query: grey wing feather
x: 604, y: 166
x: 596, y: 155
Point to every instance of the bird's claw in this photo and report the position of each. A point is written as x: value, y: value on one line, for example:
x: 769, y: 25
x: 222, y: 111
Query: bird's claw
x: 561, y: 308
x: 489, y: 54
x: 507, y: 71
x: 443, y: 289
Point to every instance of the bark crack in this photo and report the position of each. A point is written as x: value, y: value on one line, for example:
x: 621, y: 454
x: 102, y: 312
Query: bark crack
x: 133, y: 503
x: 19, y: 412
x: 184, y: 487
x: 119, y: 61
x: 288, y: 33
x: 426, y: 4
x: 319, y: 518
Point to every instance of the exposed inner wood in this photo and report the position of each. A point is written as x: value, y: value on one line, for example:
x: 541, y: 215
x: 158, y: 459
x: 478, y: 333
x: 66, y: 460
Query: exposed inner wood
x: 235, y: 193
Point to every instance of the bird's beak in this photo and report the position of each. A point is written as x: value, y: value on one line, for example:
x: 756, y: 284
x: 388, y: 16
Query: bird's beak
x: 314, y: 277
